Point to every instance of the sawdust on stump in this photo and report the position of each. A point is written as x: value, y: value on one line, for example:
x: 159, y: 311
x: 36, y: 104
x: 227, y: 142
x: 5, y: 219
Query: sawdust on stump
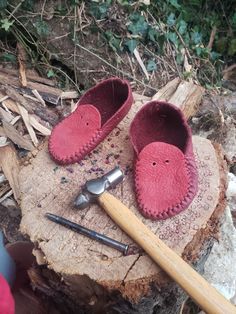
x: 88, y: 267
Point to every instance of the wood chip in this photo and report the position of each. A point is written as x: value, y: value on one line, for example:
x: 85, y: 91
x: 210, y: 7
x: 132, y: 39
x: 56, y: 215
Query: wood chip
x: 69, y: 95
x: 73, y: 106
x: 38, y: 126
x: 11, y: 167
x: 26, y: 119
x: 38, y: 96
x: 188, y: 96
x: 16, y: 137
x: 31, y: 75
x: 181, y: 93
x: 187, y: 66
x: 9, y: 103
x: 140, y: 61
x: 3, y: 141
x: 18, y: 98
x: 3, y: 98
x: 14, y: 120
x: 2, y: 133
x: 5, y: 107
x: 47, y: 115
x: 138, y: 97
x: 4, y: 115
x: 21, y: 60
x: 31, y: 97
x: 2, y: 178
x: 48, y: 93
x: 8, y: 194
x: 43, y: 112
x: 165, y: 92
x: 4, y: 188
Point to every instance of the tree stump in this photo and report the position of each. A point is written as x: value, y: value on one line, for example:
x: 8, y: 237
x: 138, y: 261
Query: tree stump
x: 97, y: 278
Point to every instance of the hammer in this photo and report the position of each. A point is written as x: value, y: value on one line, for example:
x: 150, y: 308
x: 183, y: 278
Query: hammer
x: 206, y: 296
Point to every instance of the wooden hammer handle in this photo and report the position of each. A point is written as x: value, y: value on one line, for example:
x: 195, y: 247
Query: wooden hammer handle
x: 207, y: 297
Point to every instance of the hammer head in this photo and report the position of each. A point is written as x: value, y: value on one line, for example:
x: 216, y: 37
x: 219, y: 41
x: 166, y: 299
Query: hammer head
x: 95, y: 187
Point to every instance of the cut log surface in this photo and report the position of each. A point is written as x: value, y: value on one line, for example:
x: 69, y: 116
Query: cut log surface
x: 46, y: 187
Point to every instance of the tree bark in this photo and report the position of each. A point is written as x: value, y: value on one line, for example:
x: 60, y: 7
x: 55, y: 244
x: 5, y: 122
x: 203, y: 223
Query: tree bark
x: 96, y: 278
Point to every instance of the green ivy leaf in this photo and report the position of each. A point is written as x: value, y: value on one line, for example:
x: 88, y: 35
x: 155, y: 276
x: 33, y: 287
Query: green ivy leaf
x: 42, y: 28
x: 152, y: 34
x: 198, y: 50
x: 3, y: 4
x: 171, y: 20
x: 233, y: 20
x: 8, y: 57
x: 138, y: 28
x: 113, y: 41
x: 123, y: 2
x: 51, y: 73
x: 138, y: 25
x: 173, y: 38
x: 99, y: 10
x: 151, y: 66
x: 182, y: 27
x: 214, y: 55
x: 74, y: 2
x: 186, y: 38
x: 6, y: 24
x: 115, y: 44
x: 175, y: 4
x: 134, y: 17
x: 131, y: 44
x: 196, y: 37
x: 187, y: 75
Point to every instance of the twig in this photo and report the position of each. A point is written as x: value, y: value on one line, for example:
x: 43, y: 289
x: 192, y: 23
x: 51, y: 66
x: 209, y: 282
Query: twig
x: 58, y: 37
x: 173, y: 55
x: 212, y: 37
x: 183, y: 43
x: 16, y: 8
x: 225, y: 16
x: 43, y: 6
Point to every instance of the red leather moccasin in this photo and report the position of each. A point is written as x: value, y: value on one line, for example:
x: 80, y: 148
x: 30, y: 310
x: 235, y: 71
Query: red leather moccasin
x: 7, y: 305
x: 99, y: 110
x: 165, y: 168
